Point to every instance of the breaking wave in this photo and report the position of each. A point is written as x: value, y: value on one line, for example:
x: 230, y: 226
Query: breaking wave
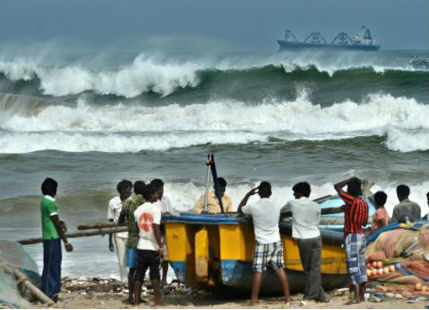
x: 166, y: 76
x: 32, y: 125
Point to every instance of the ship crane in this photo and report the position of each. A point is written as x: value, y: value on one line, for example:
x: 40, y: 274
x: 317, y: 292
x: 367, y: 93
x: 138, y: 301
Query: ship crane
x: 342, y: 39
x: 289, y: 35
x: 316, y: 38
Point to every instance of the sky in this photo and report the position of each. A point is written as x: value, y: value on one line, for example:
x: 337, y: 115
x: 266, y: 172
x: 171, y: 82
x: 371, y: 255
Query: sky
x: 244, y: 24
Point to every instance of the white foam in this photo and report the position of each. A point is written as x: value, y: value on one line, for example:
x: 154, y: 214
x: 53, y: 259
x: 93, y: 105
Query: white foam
x: 128, y: 143
x: 164, y: 75
x: 144, y: 74
x: 407, y: 140
x: 184, y: 195
x: 121, y: 128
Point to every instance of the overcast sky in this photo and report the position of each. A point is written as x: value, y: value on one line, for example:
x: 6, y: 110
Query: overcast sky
x: 250, y: 24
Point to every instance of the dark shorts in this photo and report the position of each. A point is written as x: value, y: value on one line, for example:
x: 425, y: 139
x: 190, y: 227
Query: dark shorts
x: 147, y: 259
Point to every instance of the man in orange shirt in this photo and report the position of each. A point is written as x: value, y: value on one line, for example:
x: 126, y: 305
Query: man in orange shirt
x: 381, y: 217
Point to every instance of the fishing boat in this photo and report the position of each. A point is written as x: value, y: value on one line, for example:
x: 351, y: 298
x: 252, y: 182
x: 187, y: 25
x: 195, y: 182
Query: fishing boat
x: 216, y: 250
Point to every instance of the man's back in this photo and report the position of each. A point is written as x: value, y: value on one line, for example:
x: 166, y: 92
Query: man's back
x: 265, y: 214
x: 406, y: 206
x: 306, y: 218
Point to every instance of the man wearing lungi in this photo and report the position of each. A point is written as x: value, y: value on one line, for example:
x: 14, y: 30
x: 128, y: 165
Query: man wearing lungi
x: 355, y: 218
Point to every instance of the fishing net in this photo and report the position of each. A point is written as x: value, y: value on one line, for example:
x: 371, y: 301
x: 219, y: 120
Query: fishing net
x: 12, y: 293
x: 406, y: 248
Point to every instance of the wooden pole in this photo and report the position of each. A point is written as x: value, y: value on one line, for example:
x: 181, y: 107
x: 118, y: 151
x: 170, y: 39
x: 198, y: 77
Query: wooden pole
x: 33, y: 289
x: 95, y: 232
x: 27, y: 283
x: 99, y: 225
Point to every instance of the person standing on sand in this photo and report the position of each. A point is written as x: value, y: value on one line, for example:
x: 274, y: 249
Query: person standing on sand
x: 305, y: 229
x: 381, y: 217
x: 405, y: 206
x: 355, y: 218
x: 127, y: 216
x: 113, y: 211
x: 53, y: 230
x: 166, y: 207
x: 213, y: 205
x: 149, y: 246
x: 269, y: 247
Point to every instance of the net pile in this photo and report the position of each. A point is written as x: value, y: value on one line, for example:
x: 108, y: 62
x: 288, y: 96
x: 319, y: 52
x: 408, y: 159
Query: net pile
x: 398, y: 259
x: 12, y: 255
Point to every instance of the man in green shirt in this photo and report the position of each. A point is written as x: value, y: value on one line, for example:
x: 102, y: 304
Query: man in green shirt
x: 53, y: 230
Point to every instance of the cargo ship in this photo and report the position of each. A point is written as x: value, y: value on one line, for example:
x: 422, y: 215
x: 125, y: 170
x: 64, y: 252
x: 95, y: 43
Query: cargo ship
x: 362, y: 41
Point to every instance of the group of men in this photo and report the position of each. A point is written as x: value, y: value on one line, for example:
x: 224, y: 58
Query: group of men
x: 142, y: 247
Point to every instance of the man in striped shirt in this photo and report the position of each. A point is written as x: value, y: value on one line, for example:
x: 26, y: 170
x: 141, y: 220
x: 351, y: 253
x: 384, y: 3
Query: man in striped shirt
x: 355, y: 218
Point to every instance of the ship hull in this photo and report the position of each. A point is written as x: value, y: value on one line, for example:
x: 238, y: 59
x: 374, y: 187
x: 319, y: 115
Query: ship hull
x: 209, y: 251
x: 284, y: 45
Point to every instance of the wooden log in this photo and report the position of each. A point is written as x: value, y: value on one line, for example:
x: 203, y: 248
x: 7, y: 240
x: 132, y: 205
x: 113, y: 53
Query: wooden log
x: 10, y: 269
x: 94, y: 232
x: 33, y: 289
x: 99, y: 225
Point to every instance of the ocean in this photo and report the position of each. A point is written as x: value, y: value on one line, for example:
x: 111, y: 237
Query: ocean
x: 90, y: 119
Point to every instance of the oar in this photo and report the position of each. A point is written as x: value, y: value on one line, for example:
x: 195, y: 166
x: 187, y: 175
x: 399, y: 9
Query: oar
x: 216, y: 183
x: 206, y: 196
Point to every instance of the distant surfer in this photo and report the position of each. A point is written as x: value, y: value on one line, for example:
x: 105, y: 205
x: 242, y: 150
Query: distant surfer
x: 213, y: 205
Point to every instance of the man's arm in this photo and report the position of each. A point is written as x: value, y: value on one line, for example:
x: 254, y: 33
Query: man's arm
x: 123, y: 214
x: 228, y: 207
x: 395, y: 214
x: 199, y: 205
x: 339, y: 186
x: 110, y: 218
x: 243, y: 202
x: 57, y: 223
x: 157, y: 232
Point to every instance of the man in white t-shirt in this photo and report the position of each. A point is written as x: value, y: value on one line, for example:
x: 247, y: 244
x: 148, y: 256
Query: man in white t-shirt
x: 149, y: 246
x: 120, y: 239
x: 305, y: 229
x: 269, y: 247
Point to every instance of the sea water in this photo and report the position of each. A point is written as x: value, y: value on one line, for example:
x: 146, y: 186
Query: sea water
x: 92, y: 118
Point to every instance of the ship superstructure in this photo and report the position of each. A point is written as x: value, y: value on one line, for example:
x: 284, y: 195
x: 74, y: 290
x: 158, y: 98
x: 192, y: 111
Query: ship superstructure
x: 362, y: 41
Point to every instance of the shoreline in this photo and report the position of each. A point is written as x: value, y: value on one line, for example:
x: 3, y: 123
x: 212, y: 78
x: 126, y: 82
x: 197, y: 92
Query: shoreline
x: 103, y: 293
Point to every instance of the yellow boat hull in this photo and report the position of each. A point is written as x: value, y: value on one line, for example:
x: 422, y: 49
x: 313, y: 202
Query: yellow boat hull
x: 207, y: 250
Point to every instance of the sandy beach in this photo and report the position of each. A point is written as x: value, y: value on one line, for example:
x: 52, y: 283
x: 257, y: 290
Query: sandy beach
x: 108, y: 293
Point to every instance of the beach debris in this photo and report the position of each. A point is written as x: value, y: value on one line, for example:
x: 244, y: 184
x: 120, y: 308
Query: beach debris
x: 87, y: 286
x: 342, y: 291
